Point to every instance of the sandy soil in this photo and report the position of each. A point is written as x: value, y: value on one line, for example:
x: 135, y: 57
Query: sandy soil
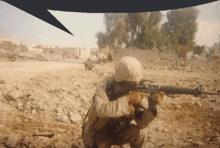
x: 53, y: 97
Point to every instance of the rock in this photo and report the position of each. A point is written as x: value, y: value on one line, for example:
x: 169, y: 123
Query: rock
x: 27, y: 105
x: 2, y: 81
x: 61, y: 130
x: 84, y: 99
x: 178, y: 106
x: 165, y: 130
x: 68, y: 99
x: 199, y: 103
x: 84, y: 111
x: 11, y: 102
x: 158, y: 129
x: 76, y: 84
x: 207, y: 139
x: 58, y: 110
x: 153, y: 140
x: 208, y: 124
x: 19, y: 105
x: 160, y: 144
x: 8, y: 98
x: 74, y: 145
x: 2, y: 146
x: 176, y: 142
x: 75, y: 117
x: 16, y: 94
x: 11, y: 141
x: 13, y: 96
x: 62, y: 118
x: 197, y: 143
x: 192, y: 98
x: 33, y: 111
x: 26, y: 140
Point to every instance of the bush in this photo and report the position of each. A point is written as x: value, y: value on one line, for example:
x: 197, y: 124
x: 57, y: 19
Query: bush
x: 199, y: 50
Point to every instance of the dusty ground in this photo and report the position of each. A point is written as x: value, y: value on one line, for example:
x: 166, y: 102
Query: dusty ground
x: 53, y: 97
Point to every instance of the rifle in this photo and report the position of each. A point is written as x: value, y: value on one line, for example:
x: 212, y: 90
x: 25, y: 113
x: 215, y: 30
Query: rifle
x: 154, y: 89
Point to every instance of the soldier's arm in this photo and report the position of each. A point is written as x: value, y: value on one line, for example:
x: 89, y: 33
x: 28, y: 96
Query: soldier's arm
x: 110, y: 109
x: 150, y: 112
x: 145, y: 117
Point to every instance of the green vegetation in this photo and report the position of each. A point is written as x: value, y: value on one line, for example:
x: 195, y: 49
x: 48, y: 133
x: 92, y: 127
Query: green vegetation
x: 181, y: 26
x: 143, y: 31
x: 199, y: 50
x: 215, y: 48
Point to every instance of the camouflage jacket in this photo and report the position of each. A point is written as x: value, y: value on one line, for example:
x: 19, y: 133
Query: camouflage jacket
x: 110, y: 114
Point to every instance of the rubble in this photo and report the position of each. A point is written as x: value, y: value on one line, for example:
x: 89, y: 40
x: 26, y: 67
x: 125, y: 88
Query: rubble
x: 20, y: 105
x: 11, y: 141
x: 65, y: 95
x: 197, y: 143
x: 2, y: 146
x: 62, y: 118
x: 14, y: 95
x: 33, y: 111
x: 75, y: 117
x: 2, y: 81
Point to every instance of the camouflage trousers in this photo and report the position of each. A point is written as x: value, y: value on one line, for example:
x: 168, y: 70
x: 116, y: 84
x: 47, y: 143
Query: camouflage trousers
x: 132, y: 134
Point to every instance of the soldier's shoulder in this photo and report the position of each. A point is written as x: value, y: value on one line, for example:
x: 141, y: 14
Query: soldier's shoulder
x: 107, y: 82
x: 110, y: 79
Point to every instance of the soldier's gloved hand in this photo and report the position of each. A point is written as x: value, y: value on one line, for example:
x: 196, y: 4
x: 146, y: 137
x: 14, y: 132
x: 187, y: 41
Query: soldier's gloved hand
x: 155, y: 100
x: 136, y: 97
x: 158, y: 97
x: 132, y: 108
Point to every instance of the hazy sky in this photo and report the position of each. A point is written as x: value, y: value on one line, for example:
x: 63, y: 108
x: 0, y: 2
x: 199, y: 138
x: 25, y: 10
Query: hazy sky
x: 18, y: 25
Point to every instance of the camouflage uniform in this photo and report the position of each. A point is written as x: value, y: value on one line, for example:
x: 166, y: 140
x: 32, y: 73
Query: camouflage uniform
x: 110, y: 57
x: 88, y: 64
x: 64, y: 55
x: 110, y: 120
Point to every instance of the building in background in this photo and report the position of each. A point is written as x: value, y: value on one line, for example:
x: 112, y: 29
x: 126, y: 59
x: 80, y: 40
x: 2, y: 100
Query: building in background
x: 94, y: 51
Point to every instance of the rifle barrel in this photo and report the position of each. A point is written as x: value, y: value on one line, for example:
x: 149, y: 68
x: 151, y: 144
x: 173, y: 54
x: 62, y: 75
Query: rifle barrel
x: 172, y: 90
x: 209, y: 93
x: 176, y: 90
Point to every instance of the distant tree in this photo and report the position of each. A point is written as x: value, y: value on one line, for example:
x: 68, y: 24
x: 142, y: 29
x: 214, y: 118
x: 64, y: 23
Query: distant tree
x: 144, y: 29
x: 102, y: 40
x: 181, y: 26
x: 131, y: 29
x: 165, y: 40
x: 215, y: 48
x: 115, y: 29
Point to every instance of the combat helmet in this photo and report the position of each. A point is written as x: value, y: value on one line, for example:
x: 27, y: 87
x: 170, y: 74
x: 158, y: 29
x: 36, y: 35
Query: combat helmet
x: 128, y: 69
